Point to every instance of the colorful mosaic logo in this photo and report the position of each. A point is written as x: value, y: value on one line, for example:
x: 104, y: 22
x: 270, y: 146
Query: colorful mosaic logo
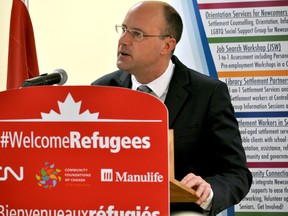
x: 48, y: 177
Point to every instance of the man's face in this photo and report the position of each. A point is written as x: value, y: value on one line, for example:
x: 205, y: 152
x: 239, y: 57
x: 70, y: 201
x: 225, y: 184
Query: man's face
x: 141, y: 56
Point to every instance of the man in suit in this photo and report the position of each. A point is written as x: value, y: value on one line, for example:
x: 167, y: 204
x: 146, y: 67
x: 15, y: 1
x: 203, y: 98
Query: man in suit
x: 209, y: 156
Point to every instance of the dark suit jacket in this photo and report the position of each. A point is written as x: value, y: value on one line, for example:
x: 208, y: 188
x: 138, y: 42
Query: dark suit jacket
x: 206, y: 136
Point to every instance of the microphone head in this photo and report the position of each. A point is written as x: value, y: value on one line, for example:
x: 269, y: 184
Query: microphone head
x: 63, y: 76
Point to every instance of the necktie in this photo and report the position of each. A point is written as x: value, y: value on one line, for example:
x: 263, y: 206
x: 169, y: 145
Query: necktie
x: 145, y: 88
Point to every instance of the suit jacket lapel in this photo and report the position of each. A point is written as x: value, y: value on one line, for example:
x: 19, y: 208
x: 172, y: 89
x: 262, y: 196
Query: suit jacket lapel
x: 177, y: 94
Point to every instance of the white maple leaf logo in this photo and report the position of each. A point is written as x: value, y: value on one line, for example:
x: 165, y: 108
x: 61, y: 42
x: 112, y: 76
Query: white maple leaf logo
x: 69, y: 111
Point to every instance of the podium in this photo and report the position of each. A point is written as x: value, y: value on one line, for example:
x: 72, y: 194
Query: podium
x: 83, y: 150
x: 89, y: 149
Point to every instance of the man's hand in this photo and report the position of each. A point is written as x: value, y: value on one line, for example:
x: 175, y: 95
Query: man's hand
x: 202, y: 188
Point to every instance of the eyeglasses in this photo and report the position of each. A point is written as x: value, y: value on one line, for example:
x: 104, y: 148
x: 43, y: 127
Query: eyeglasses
x: 136, y: 34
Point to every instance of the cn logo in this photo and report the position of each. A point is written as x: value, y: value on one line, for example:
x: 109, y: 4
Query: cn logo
x: 106, y: 175
x: 8, y: 169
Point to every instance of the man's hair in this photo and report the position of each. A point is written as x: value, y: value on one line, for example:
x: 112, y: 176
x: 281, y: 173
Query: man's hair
x: 174, y: 25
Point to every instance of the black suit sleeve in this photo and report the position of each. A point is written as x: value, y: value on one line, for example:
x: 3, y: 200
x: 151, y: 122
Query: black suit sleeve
x: 207, y: 142
x: 232, y: 181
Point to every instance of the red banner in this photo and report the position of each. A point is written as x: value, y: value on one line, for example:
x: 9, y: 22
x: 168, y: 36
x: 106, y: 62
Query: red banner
x: 83, y: 151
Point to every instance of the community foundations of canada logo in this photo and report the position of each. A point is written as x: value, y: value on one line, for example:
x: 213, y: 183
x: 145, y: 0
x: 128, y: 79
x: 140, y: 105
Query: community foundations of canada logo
x: 48, y: 176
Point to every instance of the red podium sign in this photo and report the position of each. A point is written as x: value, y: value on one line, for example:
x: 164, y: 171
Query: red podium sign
x: 83, y: 150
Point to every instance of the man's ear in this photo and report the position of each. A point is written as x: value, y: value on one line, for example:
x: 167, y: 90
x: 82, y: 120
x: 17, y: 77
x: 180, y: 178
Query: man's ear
x: 169, y: 45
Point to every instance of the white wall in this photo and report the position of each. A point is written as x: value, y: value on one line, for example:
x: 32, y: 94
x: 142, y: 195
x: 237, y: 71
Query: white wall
x: 77, y: 36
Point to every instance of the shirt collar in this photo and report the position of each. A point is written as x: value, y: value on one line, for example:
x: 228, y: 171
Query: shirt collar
x: 160, y: 85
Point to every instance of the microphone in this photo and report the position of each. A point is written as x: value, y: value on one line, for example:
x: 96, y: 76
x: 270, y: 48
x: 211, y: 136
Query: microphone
x: 59, y: 77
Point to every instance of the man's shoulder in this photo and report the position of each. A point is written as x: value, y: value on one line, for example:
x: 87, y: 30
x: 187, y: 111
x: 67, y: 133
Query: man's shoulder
x: 192, y: 75
x: 198, y: 77
x: 111, y: 79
